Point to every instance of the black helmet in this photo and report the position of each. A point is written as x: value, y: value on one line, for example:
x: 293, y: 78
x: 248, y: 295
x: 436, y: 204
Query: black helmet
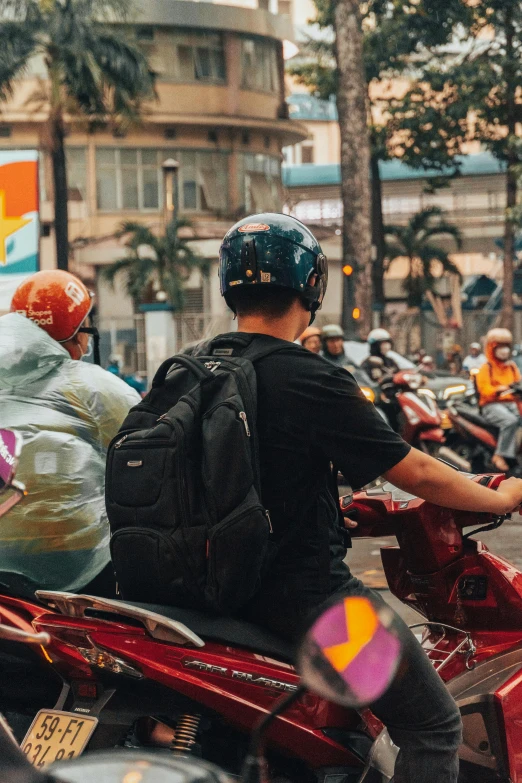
x: 273, y: 250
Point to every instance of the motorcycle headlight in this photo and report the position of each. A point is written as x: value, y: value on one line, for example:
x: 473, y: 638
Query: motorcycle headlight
x: 427, y: 393
x: 451, y: 391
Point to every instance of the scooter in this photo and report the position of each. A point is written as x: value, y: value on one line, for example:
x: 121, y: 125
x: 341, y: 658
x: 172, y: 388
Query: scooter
x: 471, y: 600
x: 416, y: 415
x: 350, y: 655
x: 474, y: 439
x: 181, y: 679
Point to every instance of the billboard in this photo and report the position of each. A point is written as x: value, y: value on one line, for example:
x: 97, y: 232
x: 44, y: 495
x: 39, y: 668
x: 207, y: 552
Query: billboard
x: 19, y: 219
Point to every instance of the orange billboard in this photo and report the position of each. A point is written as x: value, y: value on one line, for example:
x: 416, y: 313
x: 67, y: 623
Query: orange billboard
x: 19, y: 218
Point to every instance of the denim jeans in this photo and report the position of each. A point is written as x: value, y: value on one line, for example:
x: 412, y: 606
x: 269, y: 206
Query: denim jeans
x: 422, y: 720
x: 506, y: 417
x: 418, y: 711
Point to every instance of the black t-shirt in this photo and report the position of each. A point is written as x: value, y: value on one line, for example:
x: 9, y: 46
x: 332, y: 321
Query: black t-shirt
x: 311, y: 414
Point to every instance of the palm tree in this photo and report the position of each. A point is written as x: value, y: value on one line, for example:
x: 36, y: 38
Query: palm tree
x: 155, y: 263
x: 415, y: 241
x: 92, y: 70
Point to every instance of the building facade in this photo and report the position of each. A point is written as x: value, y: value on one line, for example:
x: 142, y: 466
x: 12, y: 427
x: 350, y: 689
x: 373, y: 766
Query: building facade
x: 220, y: 112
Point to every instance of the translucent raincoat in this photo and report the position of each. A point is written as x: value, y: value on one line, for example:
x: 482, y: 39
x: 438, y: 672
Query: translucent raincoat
x: 67, y: 412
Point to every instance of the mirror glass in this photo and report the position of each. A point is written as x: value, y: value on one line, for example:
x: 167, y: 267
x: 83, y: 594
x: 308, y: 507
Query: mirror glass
x: 8, y: 457
x: 351, y: 653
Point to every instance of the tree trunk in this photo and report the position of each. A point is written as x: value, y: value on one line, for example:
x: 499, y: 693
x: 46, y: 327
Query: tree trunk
x: 507, y: 319
x: 59, y: 165
x: 355, y: 166
x: 377, y: 235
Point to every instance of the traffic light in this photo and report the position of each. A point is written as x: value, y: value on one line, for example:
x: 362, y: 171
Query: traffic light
x: 356, y: 313
x: 347, y: 270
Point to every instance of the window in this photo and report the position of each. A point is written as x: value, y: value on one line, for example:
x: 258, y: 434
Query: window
x: 203, y: 181
x: 190, y: 56
x: 401, y: 205
x: 128, y: 178
x: 307, y: 153
x: 76, y: 158
x: 259, y: 65
x: 145, y: 33
x: 132, y: 179
x: 260, y: 182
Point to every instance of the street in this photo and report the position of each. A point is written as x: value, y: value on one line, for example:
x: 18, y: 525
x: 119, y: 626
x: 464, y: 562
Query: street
x: 364, y: 559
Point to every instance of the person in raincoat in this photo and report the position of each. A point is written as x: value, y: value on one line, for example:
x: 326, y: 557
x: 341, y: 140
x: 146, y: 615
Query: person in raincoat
x: 497, y: 404
x: 67, y: 412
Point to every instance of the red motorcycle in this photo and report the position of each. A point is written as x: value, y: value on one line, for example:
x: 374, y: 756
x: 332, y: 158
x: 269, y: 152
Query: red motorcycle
x: 417, y: 418
x: 352, y: 666
x: 474, y: 439
x: 183, y: 680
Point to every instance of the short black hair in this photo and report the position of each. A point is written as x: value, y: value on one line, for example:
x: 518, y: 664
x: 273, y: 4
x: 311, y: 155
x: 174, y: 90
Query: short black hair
x: 269, y: 302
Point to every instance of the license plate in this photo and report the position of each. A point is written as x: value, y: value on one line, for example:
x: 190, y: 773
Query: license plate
x: 56, y: 735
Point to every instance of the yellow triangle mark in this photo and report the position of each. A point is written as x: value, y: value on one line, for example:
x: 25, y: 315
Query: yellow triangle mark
x: 361, y: 622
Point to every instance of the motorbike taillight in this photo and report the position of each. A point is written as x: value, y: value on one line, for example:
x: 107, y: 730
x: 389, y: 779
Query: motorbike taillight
x: 76, y: 643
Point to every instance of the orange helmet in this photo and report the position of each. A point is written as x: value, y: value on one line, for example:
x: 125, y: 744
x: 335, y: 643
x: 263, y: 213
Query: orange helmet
x: 311, y: 331
x: 55, y: 300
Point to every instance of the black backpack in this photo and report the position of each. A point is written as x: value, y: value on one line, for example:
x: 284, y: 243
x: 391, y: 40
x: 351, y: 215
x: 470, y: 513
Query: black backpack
x: 183, y: 489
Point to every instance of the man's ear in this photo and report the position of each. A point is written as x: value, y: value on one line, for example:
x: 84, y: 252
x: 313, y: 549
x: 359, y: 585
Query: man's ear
x: 73, y: 347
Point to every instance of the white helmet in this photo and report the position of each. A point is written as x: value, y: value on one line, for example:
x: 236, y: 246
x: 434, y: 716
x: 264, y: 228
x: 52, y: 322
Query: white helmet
x: 379, y: 336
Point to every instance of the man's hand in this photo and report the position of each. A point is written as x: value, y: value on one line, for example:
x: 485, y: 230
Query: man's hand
x: 351, y: 523
x: 434, y: 481
x: 511, y: 492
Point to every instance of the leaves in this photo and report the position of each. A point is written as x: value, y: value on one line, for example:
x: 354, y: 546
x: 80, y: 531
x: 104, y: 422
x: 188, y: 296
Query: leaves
x: 95, y: 66
x: 155, y: 262
x: 427, y: 260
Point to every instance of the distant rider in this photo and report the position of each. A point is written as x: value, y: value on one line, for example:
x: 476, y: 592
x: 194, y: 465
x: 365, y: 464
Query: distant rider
x: 67, y: 411
x: 497, y: 404
x: 333, y: 345
x: 380, y: 344
x: 475, y: 358
x: 311, y: 339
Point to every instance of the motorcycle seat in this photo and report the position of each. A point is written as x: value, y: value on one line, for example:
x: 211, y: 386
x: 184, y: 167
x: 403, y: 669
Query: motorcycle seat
x: 469, y: 413
x: 226, y: 630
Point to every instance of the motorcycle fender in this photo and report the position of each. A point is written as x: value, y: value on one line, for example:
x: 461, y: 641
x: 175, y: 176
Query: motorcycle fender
x: 436, y: 435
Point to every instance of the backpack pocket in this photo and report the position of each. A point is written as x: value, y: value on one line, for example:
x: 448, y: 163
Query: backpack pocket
x: 157, y: 556
x: 137, y: 473
x: 170, y: 560
x: 237, y: 552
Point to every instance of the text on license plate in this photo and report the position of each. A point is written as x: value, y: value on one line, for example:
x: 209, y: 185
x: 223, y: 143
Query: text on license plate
x: 56, y: 735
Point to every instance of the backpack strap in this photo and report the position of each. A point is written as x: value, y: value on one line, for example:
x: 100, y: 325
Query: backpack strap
x: 255, y: 353
x: 199, y: 370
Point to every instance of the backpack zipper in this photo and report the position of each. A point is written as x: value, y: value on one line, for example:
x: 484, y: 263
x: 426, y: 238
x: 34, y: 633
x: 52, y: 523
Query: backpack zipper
x: 267, y: 515
x: 243, y: 417
x: 120, y: 441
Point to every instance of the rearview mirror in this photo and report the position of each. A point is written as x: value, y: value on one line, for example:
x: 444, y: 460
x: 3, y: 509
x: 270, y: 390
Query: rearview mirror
x: 351, y: 653
x: 10, y: 446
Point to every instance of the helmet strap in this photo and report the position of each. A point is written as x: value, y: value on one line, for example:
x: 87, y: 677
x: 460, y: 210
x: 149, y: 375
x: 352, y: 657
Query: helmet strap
x: 92, y: 330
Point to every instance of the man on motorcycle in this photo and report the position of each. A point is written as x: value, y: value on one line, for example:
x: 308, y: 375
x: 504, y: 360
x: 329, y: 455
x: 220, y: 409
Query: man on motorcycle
x: 475, y: 358
x: 311, y: 339
x: 496, y: 402
x: 380, y: 344
x: 312, y: 415
x: 67, y: 411
x: 333, y: 345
